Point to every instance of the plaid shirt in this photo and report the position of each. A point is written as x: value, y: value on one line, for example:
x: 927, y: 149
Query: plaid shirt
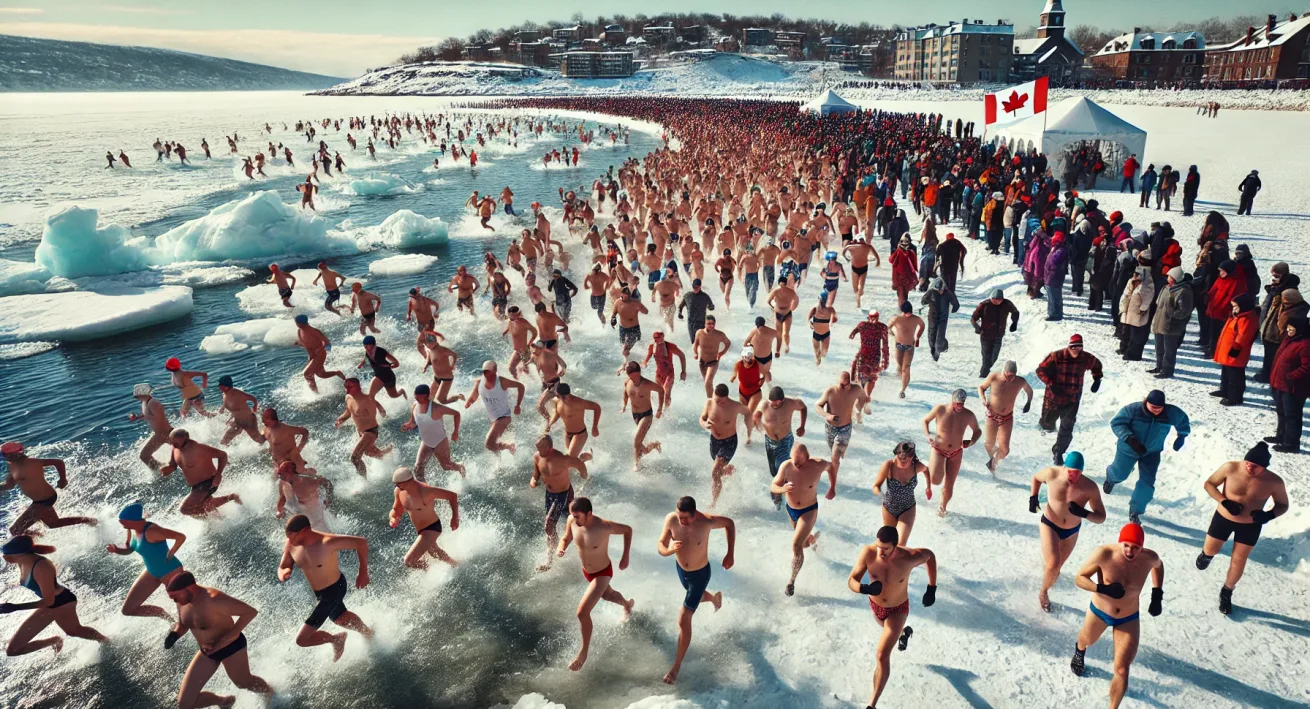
x: 1063, y: 375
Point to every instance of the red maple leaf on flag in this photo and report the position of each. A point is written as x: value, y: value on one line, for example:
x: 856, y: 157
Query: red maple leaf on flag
x: 1015, y: 102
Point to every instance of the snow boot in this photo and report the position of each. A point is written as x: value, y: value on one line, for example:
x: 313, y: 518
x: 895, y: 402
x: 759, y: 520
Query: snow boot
x: 1079, y: 660
x: 1203, y: 561
x: 1225, y: 600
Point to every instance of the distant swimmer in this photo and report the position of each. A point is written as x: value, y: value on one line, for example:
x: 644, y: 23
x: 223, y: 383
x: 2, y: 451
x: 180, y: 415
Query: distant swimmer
x: 626, y: 315
x: 1070, y: 498
x: 286, y: 282
x: 442, y: 360
x: 686, y: 536
x: 109, y: 156
x: 181, y: 154
x: 318, y: 556
x: 122, y: 157
x: 637, y: 391
x: 242, y: 407
x: 947, y: 442
x: 204, y: 145
x: 307, y: 190
x: 383, y: 364
x: 285, y: 441
x: 28, y: 475
x: 999, y: 392
x: 593, y: 536
x: 507, y: 199
x: 663, y: 352
x: 362, y: 410
x: 491, y: 388
x: 308, y: 493
x: 719, y: 419
x: 202, y: 467
x: 798, y: 481
x: 418, y: 500
x: 332, y: 282
x: 368, y: 304
x: 428, y: 417
x: 774, y: 418
x: 316, y: 345
x: 423, y: 310
x: 888, y: 566
x: 193, y: 397
x: 1116, y: 602
x: 157, y: 546
x: 900, y: 475
x: 521, y: 333
x: 486, y: 208
x: 152, y: 412
x: 572, y: 410
x: 55, y: 603
x: 551, y: 468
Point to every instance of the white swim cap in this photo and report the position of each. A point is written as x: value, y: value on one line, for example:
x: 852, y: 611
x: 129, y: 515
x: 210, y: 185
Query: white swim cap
x: 142, y: 389
x: 402, y: 475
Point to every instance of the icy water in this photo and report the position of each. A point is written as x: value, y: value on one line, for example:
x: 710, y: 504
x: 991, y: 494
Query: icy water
x: 492, y: 631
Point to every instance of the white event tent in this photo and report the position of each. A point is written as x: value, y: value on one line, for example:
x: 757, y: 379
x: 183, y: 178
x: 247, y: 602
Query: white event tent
x: 830, y: 103
x: 1070, y: 124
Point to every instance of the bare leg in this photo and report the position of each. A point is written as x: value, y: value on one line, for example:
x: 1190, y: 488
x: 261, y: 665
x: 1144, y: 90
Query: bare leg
x: 590, y: 598
x: 350, y: 621
x: 198, y: 673
x: 905, y: 524
x: 493, y: 443
x: 948, y: 488
x: 639, y: 445
x: 135, y: 605
x: 1002, y: 443
x: 684, y: 642
x: 238, y: 670
x: 1238, y: 563
x: 1050, y: 544
x: 66, y: 618
x: 891, y: 633
x: 309, y: 637
x: 22, y: 641
x: 1125, y: 651
x: 800, y: 539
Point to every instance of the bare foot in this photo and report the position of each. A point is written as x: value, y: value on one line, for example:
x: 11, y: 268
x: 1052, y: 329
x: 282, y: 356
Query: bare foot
x: 1044, y: 600
x: 671, y: 677
x: 58, y: 645
x: 941, y: 511
x: 338, y: 646
x: 543, y: 567
x: 717, y: 600
x: 578, y: 661
x: 627, y: 609
x: 236, y: 499
x: 312, y: 386
x: 512, y: 448
x: 728, y: 470
x: 227, y: 701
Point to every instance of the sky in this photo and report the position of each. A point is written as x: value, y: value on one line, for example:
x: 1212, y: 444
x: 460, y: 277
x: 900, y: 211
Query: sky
x: 346, y: 37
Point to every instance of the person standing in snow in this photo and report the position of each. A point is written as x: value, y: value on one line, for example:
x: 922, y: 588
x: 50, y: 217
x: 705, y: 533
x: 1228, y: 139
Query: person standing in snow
x: 1173, y: 310
x: 1148, y: 184
x: 1233, y: 349
x: 1247, y: 486
x: 1191, y: 185
x: 1290, y: 381
x: 1129, y: 172
x: 1057, y: 266
x: 1248, y: 188
x: 1062, y: 372
x: 1287, y: 303
x: 1141, y: 429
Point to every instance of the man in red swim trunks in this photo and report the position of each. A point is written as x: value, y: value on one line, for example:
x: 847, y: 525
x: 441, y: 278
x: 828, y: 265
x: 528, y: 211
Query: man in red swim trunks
x: 749, y: 376
x: 948, y: 444
x: 873, y: 356
x: 663, y: 352
x: 888, y: 566
x: 593, y: 536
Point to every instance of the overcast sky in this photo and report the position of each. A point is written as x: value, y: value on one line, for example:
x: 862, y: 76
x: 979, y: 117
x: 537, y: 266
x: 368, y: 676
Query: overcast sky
x: 345, y: 37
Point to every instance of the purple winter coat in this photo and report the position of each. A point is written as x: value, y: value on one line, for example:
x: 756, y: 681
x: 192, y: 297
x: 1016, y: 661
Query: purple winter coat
x: 1057, y: 265
x: 1034, y: 260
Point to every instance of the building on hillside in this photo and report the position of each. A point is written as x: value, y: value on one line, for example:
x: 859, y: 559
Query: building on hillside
x: 694, y: 34
x: 834, y: 49
x: 959, y: 52
x: 1280, y: 50
x: 614, y: 35
x: 597, y: 65
x: 476, y: 52
x: 727, y: 44
x: 1152, y: 56
x: 658, y: 35
x: 756, y: 37
x: 523, y: 36
x: 1050, y: 54
x: 530, y: 53
x: 567, y: 34
x: 790, y: 42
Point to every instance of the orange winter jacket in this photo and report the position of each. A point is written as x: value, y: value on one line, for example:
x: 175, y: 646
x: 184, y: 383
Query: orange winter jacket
x: 1239, y: 332
x: 930, y: 194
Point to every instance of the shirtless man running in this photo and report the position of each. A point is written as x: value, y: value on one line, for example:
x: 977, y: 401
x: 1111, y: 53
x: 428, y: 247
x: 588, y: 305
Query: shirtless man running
x: 363, y: 411
x: 285, y: 442
x: 1070, y: 497
x: 242, y: 406
x: 593, y: 537
x: 152, y: 412
x: 888, y: 566
x: 686, y: 534
x: 783, y: 300
x: 906, y: 329
x: 520, y: 333
x: 315, y: 344
x: 318, y: 556
x: 709, y: 346
x: 284, y: 281
x: 332, y: 284
x: 597, y: 282
x: 369, y: 304
x: 638, y: 391
x: 572, y: 410
x: 948, y: 444
x: 419, y: 501
x: 207, y: 613
x: 719, y: 418
x: 859, y: 253
x: 836, y: 406
x: 1123, y: 569
x: 999, y: 391
x: 764, y: 341
x: 422, y: 310
x: 28, y: 474
x: 551, y: 468
x: 464, y: 286
x: 202, y: 467
x: 798, y: 479
x: 626, y: 316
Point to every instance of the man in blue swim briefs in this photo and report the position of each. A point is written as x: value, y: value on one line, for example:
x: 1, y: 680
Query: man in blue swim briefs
x: 1070, y: 498
x: 798, y: 479
x: 687, y: 535
x: 1123, y: 569
x: 720, y: 418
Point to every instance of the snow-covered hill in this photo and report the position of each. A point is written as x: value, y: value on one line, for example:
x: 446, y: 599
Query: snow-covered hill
x: 31, y: 64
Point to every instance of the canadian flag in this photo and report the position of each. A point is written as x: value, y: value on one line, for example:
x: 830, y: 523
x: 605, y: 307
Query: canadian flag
x: 1016, y: 102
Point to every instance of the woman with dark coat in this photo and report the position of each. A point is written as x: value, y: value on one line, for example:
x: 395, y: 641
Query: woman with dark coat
x: 1191, y: 184
x: 1219, y: 302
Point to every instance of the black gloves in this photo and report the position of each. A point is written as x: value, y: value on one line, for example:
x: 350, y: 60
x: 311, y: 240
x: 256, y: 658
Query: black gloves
x: 1014, y: 326
x: 930, y: 596
x: 614, y: 320
x: 1096, y: 385
x: 1179, y: 441
x: 6, y: 608
x: 1262, y: 516
x: 1157, y: 599
x: 1138, y: 447
x: 1114, y: 590
x: 1027, y: 405
x: 1077, y: 510
x: 1032, y: 503
x: 977, y: 329
x: 871, y: 589
x: 171, y: 639
x: 1234, y: 352
x: 1234, y: 508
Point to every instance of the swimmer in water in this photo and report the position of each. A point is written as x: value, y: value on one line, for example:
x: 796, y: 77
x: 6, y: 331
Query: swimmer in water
x: 551, y: 468
x: 316, y: 345
x: 202, y: 467
x: 383, y: 364
x: 798, y: 481
x: 55, y: 603
x: 242, y: 407
x: 157, y: 546
x: 368, y: 304
x: 28, y: 475
x: 286, y: 283
x: 332, y: 284
x: 427, y: 416
x: 308, y: 492
x: 193, y: 397
x: 207, y: 613
x: 318, y: 556
x: 418, y: 500
x: 593, y: 536
x: 362, y: 410
x: 152, y: 412
x: 686, y: 536
x: 491, y: 388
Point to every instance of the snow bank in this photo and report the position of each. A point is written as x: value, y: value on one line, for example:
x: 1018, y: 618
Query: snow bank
x: 403, y: 265
x: 18, y: 277
x: 88, y: 315
x: 74, y: 245
x: 404, y: 229
x: 383, y: 183
x: 257, y: 226
x: 262, y: 332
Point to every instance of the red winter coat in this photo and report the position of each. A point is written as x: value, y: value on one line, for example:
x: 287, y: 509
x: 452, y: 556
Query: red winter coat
x: 1130, y: 167
x: 1238, y: 334
x: 1219, y: 304
x: 1291, y: 371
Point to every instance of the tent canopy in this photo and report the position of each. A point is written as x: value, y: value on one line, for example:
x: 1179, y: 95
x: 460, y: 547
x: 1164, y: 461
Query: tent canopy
x: 828, y: 103
x: 1068, y: 125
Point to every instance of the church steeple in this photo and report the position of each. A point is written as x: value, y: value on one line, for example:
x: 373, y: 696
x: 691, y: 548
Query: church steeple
x: 1051, y: 23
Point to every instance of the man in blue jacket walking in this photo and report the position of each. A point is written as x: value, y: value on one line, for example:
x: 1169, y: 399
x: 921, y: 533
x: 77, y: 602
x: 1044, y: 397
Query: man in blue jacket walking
x: 1141, y: 429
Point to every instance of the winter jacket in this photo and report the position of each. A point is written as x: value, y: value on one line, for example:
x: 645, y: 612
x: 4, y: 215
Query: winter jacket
x: 1102, y: 269
x: 1057, y: 266
x: 1173, y: 309
x: 1234, y: 346
x: 1014, y: 213
x: 1274, y: 291
x: 1135, y: 303
x: 1291, y: 305
x: 904, y: 268
x: 941, y: 303
x: 1034, y: 260
x: 1247, y: 269
x: 1249, y: 186
x: 1291, y: 372
x: 897, y: 226
x: 930, y: 194
x: 1191, y: 184
x: 1171, y: 256
x: 1130, y: 167
x: 1151, y: 430
x: 990, y: 318
x: 950, y: 255
x: 1219, y: 303
x: 1148, y: 180
x: 1062, y: 373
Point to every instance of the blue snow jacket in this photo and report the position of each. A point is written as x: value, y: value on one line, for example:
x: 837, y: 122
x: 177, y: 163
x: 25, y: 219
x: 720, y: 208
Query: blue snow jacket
x: 1134, y: 420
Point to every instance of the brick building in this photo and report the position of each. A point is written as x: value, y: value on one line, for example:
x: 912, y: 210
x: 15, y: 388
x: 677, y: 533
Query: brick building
x: 1279, y: 50
x: 1049, y: 54
x: 1152, y: 56
x: 959, y: 52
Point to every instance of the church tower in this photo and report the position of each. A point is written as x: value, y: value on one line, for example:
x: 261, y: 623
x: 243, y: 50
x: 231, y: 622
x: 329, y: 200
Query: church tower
x: 1051, y: 23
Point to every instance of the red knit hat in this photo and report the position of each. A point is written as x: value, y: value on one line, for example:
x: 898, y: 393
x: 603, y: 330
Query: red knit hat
x: 1075, y: 339
x: 1132, y: 533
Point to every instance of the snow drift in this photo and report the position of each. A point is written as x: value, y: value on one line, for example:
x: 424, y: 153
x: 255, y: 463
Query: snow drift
x: 403, y: 265
x: 74, y: 246
x: 403, y: 229
x: 78, y: 316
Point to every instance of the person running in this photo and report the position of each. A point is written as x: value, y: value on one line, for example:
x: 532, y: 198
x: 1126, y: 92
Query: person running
x: 153, y: 413
x: 369, y: 304
x: 948, y: 444
x: 663, y: 352
x: 719, y: 418
x: 463, y: 286
x: 1070, y: 498
x: 999, y: 392
x: 1141, y: 429
x: 901, y: 474
x: 242, y: 406
x: 316, y: 345
x: 750, y: 380
x: 888, y: 565
x: 193, y: 397
x: 1241, y: 489
x: 764, y: 341
x: 572, y: 410
x: 419, y: 501
x: 362, y: 410
x: 784, y: 301
x: 638, y: 390
x: 285, y: 441
x: 491, y: 388
x: 309, y: 493
x: 1062, y: 372
x: 424, y: 311
x: 626, y: 316
x: 318, y: 556
x: 872, y: 357
x: 157, y: 546
x: 686, y: 537
x: 708, y: 347
x: 858, y: 253
x: 798, y: 480
x: 821, y: 319
x: 593, y: 537
x: 202, y: 467
x: 836, y: 406
x: 1122, y: 569
x: 551, y: 468
x: 207, y: 613
x: 285, y: 282
x: 696, y: 302
x: 442, y: 360
x: 907, y: 329
x: 383, y: 364
x: 331, y: 283
x: 428, y: 417
x: 55, y: 603
x: 28, y: 475
x: 597, y: 281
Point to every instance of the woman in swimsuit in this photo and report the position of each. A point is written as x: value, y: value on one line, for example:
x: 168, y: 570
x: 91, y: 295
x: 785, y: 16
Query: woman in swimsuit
x: 821, y: 320
x: 833, y: 274
x: 193, y: 397
x: 901, y: 474
x: 54, y: 604
x: 157, y: 547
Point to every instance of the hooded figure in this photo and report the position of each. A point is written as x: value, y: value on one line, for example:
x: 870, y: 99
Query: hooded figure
x: 1191, y: 184
x: 1057, y: 265
x: 1219, y: 301
x: 1034, y: 262
x: 1290, y: 382
x: 1233, y: 349
x: 1249, y: 272
x: 941, y: 303
x: 1135, y: 313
